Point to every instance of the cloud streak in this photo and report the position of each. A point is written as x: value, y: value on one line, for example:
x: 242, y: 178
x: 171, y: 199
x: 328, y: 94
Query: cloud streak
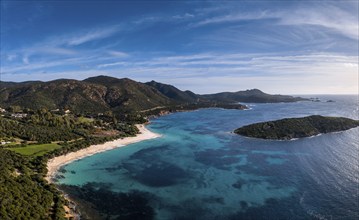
x: 11, y: 57
x: 60, y: 48
x: 118, y: 54
x: 235, y: 17
x: 92, y: 35
x: 331, y: 17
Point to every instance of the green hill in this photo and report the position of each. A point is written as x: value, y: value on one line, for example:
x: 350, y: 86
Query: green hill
x: 126, y: 94
x: 173, y: 93
x: 94, y: 95
x: 289, y: 128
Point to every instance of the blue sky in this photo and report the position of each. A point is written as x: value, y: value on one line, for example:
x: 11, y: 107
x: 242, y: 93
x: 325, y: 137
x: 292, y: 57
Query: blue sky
x: 288, y: 47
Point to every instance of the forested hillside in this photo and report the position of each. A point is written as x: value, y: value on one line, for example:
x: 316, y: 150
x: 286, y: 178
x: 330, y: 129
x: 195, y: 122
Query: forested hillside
x: 122, y: 96
x: 29, y: 141
x: 23, y: 193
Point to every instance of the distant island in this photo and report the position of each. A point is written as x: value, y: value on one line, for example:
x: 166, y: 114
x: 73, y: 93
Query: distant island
x: 289, y: 128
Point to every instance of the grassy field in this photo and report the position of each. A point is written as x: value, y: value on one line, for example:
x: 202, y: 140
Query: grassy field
x: 84, y: 120
x: 36, y: 149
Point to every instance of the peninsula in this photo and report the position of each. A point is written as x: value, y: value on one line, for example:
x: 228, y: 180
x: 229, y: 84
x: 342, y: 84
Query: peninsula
x: 289, y: 128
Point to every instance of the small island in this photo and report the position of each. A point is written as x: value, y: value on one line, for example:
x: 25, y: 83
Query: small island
x: 289, y: 128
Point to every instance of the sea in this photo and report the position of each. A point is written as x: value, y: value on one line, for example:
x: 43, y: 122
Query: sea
x: 199, y: 169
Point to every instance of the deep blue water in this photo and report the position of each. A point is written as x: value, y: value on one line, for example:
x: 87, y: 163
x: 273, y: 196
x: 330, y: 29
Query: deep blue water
x: 198, y: 169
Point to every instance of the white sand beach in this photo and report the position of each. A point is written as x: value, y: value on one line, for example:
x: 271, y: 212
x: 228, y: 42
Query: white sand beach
x: 53, y: 165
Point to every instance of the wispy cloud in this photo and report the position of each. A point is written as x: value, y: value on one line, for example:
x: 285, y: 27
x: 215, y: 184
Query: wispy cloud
x: 118, y: 54
x: 50, y: 50
x: 184, y: 16
x: 146, y: 19
x: 331, y: 17
x: 48, y: 64
x: 92, y: 35
x: 225, y: 71
x: 151, y: 20
x: 327, y: 16
x: 66, y: 43
x: 236, y: 17
x: 245, y: 64
x: 25, y: 60
x: 312, y: 73
x: 11, y: 57
x: 112, y: 64
x: 60, y: 48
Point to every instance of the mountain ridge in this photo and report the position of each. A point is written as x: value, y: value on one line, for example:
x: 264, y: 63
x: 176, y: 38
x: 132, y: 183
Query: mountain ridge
x: 251, y: 95
x: 103, y: 93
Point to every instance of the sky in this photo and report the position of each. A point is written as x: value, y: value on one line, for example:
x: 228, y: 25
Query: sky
x: 280, y: 47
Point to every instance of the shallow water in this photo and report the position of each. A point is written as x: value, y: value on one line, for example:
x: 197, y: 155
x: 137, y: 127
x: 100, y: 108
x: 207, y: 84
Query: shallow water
x: 200, y: 170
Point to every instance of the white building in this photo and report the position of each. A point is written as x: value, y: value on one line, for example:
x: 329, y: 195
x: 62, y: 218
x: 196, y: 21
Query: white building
x: 19, y: 115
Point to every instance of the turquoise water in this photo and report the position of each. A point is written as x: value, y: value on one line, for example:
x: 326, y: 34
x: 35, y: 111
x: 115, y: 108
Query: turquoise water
x: 198, y: 169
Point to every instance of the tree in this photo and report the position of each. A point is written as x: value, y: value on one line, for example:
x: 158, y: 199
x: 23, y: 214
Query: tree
x: 14, y: 109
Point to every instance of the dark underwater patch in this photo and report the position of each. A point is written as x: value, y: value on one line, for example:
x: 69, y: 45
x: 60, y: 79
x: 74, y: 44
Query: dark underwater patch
x: 221, y: 159
x: 161, y: 175
x: 149, y: 153
x: 258, y: 166
x: 214, y: 199
x: 62, y: 170
x: 238, y: 184
x: 146, y: 167
x: 280, y: 209
x: 244, y: 204
x: 133, y: 205
x: 59, y: 176
x: 98, y: 185
x: 113, y: 169
x: 192, y: 209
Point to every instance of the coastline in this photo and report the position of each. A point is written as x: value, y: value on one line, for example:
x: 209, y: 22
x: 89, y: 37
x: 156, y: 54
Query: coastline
x: 54, y: 164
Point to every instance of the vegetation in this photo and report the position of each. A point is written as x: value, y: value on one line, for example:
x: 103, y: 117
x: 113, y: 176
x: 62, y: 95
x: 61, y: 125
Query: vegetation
x: 174, y: 93
x: 29, y: 131
x: 289, y: 128
x: 91, y: 96
x: 35, y: 149
x: 96, y: 95
x: 34, y: 139
x: 24, y: 194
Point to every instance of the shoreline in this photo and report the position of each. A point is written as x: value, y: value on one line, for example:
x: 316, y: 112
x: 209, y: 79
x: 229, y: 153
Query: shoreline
x: 54, y: 164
